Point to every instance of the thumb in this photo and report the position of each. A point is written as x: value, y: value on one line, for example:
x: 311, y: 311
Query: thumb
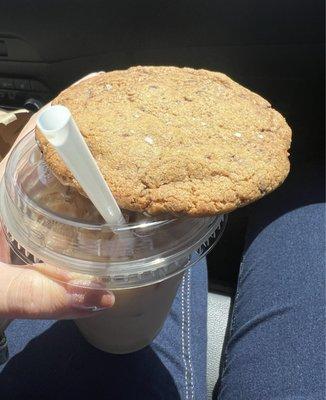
x: 28, y: 293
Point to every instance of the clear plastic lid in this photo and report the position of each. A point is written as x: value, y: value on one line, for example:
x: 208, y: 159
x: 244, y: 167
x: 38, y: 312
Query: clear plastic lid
x: 59, y: 226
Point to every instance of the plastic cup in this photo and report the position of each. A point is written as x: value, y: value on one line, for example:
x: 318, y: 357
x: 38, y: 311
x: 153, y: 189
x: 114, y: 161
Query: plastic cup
x: 44, y: 220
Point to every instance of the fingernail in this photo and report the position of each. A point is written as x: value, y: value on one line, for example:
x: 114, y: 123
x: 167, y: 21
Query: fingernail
x: 108, y: 300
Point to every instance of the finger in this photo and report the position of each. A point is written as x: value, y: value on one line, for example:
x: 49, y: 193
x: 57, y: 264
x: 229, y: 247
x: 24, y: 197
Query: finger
x: 26, y: 293
x: 68, y: 277
x: 88, y: 291
x: 58, y: 274
x: 4, y: 247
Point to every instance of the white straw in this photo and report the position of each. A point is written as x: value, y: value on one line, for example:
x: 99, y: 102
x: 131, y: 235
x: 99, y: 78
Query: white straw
x: 58, y: 126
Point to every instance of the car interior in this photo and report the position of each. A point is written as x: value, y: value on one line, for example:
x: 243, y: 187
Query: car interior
x: 274, y: 48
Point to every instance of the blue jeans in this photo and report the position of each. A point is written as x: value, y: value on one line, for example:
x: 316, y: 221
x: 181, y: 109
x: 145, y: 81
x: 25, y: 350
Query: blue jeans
x: 275, y: 348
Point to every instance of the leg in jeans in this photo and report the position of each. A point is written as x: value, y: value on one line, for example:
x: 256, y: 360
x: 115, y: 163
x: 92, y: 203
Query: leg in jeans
x: 51, y: 360
x: 276, y: 343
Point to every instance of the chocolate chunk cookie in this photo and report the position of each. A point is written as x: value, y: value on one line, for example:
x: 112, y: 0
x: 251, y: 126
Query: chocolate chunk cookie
x: 177, y: 140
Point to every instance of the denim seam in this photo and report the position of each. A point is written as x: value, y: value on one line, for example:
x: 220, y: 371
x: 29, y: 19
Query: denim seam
x: 188, y: 335
x: 232, y: 322
x: 182, y: 337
